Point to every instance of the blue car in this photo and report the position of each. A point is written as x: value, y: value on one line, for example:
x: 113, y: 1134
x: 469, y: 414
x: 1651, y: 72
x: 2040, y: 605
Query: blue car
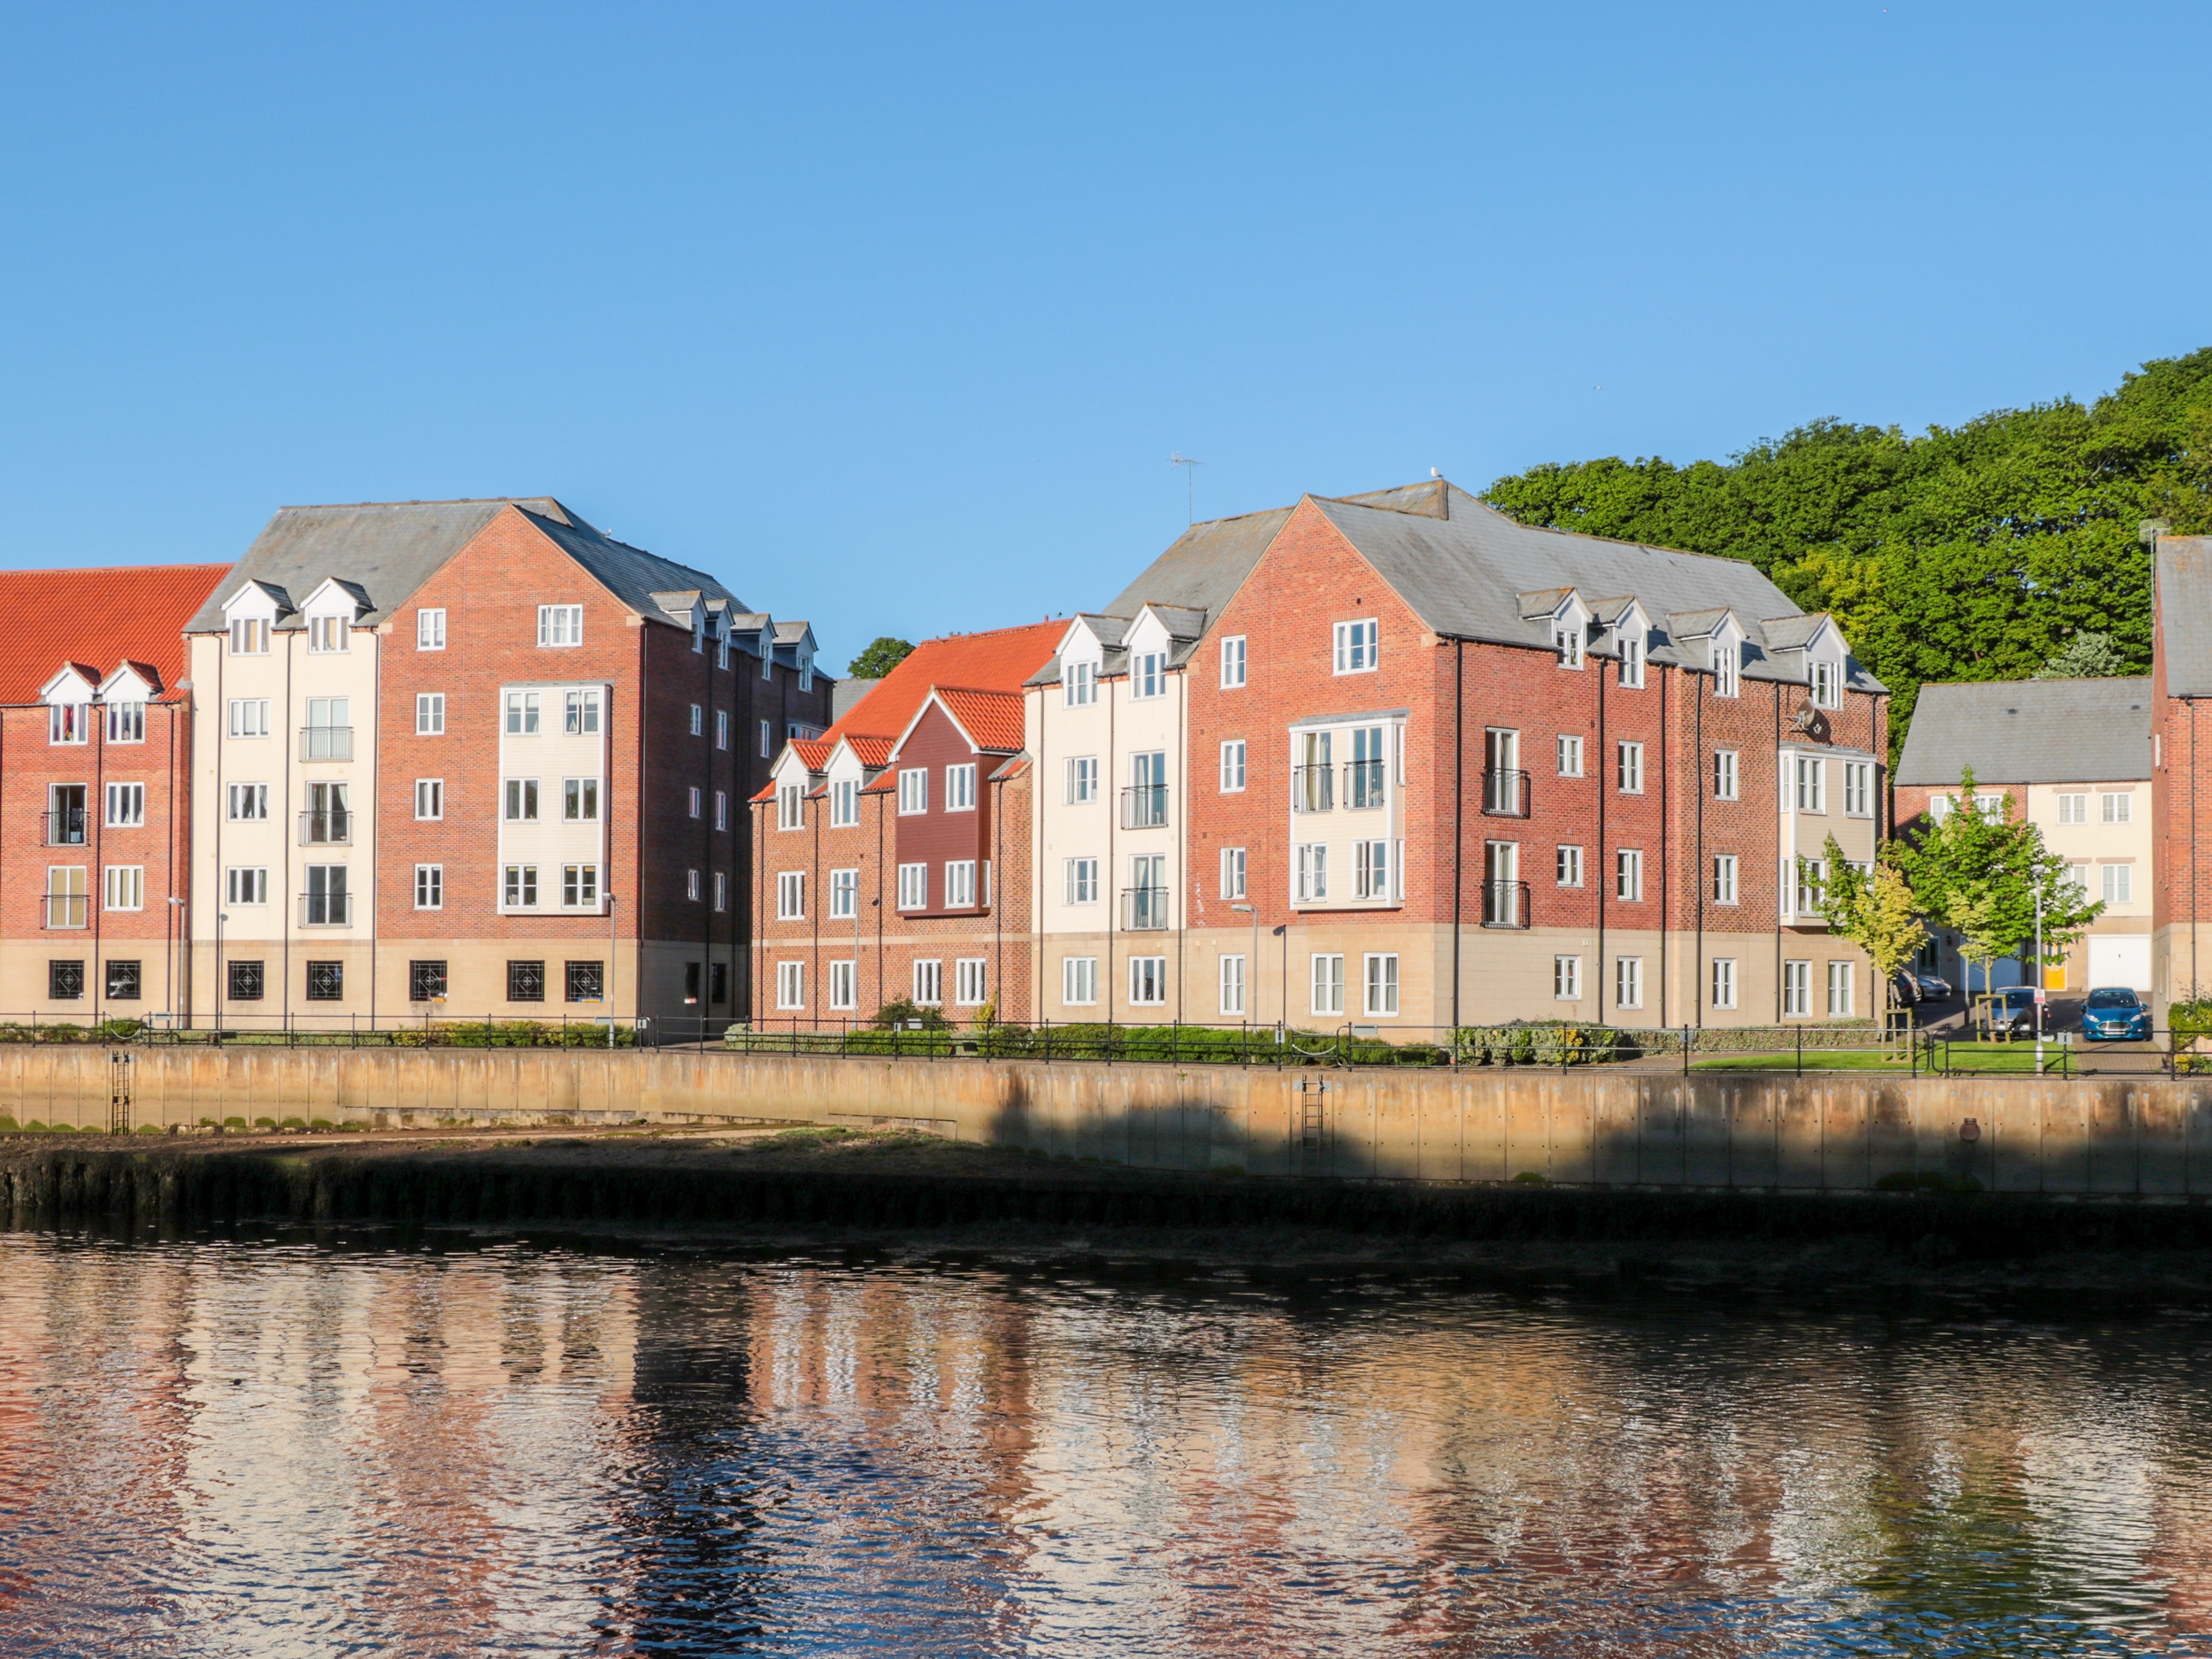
x: 2115, y: 1014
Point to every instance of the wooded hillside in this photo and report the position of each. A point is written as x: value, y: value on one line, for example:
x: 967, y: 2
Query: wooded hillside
x: 1974, y: 552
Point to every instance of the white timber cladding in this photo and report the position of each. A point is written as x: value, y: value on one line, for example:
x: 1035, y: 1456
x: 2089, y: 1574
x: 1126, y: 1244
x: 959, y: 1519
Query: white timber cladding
x: 292, y: 716
x: 1347, y: 776
x: 1819, y: 791
x: 564, y: 744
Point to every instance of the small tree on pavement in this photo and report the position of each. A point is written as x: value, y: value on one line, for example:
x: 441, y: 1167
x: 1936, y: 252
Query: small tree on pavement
x: 1875, y: 911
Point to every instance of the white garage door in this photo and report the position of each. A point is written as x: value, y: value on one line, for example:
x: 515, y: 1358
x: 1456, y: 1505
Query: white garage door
x: 2121, y: 959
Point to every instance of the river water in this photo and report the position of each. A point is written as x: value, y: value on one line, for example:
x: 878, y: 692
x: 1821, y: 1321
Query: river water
x: 263, y: 1448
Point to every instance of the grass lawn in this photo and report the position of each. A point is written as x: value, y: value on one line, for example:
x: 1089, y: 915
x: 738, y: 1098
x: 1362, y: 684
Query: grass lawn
x: 1966, y: 1058
x: 1815, y: 1060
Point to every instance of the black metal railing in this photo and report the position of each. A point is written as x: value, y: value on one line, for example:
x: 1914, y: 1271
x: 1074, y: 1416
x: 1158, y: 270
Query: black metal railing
x: 1505, y: 904
x: 1144, y: 806
x: 327, y: 829
x: 325, y: 742
x: 69, y: 910
x: 1363, y: 784
x: 326, y: 910
x: 1313, y: 788
x: 1505, y: 792
x: 1144, y: 909
x: 65, y: 827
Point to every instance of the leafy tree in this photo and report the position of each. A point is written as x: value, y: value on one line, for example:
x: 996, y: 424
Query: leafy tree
x: 1875, y: 911
x: 1976, y: 552
x: 882, y: 654
x: 1978, y: 871
x: 2088, y: 657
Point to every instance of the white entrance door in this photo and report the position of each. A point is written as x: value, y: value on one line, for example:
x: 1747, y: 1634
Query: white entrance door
x: 2120, y: 959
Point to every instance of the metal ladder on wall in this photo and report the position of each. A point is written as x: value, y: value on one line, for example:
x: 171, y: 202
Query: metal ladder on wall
x: 1313, y: 1115
x: 120, y: 1066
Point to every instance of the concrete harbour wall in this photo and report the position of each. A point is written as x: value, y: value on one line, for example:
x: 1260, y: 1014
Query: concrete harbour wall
x: 1587, y: 1127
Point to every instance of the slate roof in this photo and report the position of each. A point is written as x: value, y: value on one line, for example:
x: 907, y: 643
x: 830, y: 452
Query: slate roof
x: 387, y: 549
x: 847, y: 693
x: 2185, y: 613
x: 2029, y: 731
x: 98, y: 619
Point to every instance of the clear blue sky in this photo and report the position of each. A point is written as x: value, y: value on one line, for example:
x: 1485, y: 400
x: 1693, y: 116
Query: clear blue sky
x: 891, y: 316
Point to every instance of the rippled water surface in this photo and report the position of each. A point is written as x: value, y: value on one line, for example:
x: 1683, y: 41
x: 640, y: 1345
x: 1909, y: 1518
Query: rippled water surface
x: 258, y: 1448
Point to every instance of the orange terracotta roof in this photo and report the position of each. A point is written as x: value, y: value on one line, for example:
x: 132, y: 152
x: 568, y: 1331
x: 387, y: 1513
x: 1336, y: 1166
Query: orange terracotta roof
x: 1001, y: 660
x: 871, y: 751
x: 814, y: 751
x: 992, y: 718
x: 100, y: 619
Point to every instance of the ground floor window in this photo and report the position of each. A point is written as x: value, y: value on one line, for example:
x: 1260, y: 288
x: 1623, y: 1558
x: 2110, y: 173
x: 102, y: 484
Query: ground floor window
x: 1148, y: 981
x: 844, y: 985
x: 971, y: 981
x: 326, y: 982
x: 1628, y: 981
x: 1328, y: 983
x: 791, y: 985
x: 929, y: 984
x: 64, y: 980
x: 1840, y: 977
x: 1382, y: 984
x: 123, y: 981
x: 1724, y: 982
x: 245, y: 982
x: 1079, y: 981
x: 525, y: 981
x: 717, y: 982
x: 1797, y: 988
x: 587, y: 981
x: 426, y: 981
x: 1232, y: 985
x: 1566, y: 979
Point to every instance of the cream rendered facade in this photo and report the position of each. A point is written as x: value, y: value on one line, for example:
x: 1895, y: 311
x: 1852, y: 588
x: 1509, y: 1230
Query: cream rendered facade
x: 1113, y: 796
x: 284, y: 812
x: 2103, y: 831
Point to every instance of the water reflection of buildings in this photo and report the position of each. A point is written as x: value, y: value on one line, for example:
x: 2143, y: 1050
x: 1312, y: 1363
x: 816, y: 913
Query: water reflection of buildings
x: 273, y: 1451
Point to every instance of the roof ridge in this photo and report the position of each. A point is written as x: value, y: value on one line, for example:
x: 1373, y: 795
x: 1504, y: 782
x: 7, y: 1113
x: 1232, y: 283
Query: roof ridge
x: 428, y: 501
x: 106, y: 570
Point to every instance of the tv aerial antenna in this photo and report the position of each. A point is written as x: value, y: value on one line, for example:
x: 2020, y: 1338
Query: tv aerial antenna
x: 1190, y: 466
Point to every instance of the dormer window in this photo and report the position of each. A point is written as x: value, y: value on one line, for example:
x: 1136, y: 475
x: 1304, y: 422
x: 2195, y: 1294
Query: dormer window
x: 1826, y: 684
x: 249, y: 636
x: 1079, y: 682
x: 722, y: 643
x: 68, y: 722
x: 127, y: 722
x: 767, y: 653
x: 1632, y: 667
x: 1147, y: 675
x: 325, y: 633
x: 1727, y: 672
x: 699, y: 632
x: 1566, y: 640
x: 806, y: 669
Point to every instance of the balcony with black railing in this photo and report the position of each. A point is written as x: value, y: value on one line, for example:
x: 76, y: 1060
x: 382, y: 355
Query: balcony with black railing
x: 1504, y: 791
x: 1313, y: 788
x: 1144, y: 909
x: 1144, y: 806
x: 325, y: 742
x: 1363, y: 784
x: 326, y: 910
x: 65, y: 827
x: 327, y: 829
x: 69, y: 910
x: 1505, y: 904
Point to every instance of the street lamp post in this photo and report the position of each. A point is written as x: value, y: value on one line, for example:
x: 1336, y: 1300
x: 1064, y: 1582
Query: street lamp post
x: 176, y: 921
x: 2041, y: 978
x: 606, y: 986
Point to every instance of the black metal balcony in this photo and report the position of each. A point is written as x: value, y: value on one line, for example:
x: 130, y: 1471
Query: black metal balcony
x: 65, y: 828
x: 1505, y: 904
x: 1144, y: 909
x: 1313, y: 788
x: 1504, y: 791
x: 1144, y: 806
x: 326, y: 910
x: 327, y: 829
x: 69, y: 910
x: 325, y: 742
x: 1363, y: 784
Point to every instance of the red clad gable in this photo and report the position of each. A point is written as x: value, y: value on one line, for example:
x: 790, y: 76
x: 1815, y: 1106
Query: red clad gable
x: 101, y: 618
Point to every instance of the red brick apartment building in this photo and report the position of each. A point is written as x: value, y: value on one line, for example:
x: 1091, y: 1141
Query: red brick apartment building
x: 2181, y: 770
x: 892, y: 853
x: 96, y: 755
x: 478, y: 758
x: 1397, y: 760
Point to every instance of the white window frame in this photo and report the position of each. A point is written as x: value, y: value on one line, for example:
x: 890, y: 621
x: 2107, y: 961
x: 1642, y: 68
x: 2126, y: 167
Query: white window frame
x: 1858, y: 788
x: 1727, y: 774
x: 430, y: 886
x: 767, y: 740
x: 960, y: 788
x: 249, y: 636
x: 430, y: 714
x: 1380, y: 978
x: 1326, y: 983
x: 1629, y: 767
x: 1312, y: 861
x: 790, y: 984
x: 913, y: 791
x: 1725, y: 658
x: 1082, y: 780
x: 791, y: 895
x: 1148, y: 676
x: 1372, y: 869
x: 1569, y: 755
x: 1148, y: 981
x: 722, y: 728
x: 127, y: 722
x: 959, y: 884
x: 2117, y: 806
x: 1079, y: 881
x: 2116, y: 881
x: 69, y: 723
x: 1231, y: 985
x: 1079, y: 981
x: 1357, y: 646
x: 1842, y: 989
x: 429, y: 800
x: 698, y: 721
x: 693, y: 801
x: 1233, y: 661
x: 1566, y: 979
x: 518, y: 800
x: 1812, y: 784
x: 1567, y: 866
x: 520, y: 717
x: 1566, y: 642
x: 721, y: 805
x: 1628, y: 982
x: 1234, y: 873
x: 844, y: 802
x: 579, y: 713
x: 914, y: 886
x: 123, y: 887
x: 248, y: 802
x: 1724, y: 879
x: 246, y: 884
x: 560, y: 627
x: 327, y: 636
x: 844, y: 974
x: 1632, y: 661
x: 1797, y: 989
x: 1232, y: 765
x: 430, y: 628
x: 1723, y: 989
x: 1808, y: 877
x: 1079, y: 685
x: 124, y: 806
x: 790, y: 806
x: 844, y: 891
x: 1628, y: 874
x: 2073, y: 807
x: 971, y: 982
x: 1827, y: 679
